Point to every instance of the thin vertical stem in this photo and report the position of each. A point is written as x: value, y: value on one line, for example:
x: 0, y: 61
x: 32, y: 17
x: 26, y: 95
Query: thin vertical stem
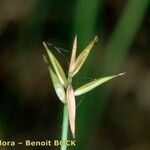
x: 64, y: 135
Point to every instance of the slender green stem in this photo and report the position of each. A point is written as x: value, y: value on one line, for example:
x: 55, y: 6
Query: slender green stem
x: 64, y: 135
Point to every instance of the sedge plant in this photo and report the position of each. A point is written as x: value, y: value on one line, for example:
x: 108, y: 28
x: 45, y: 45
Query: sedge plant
x: 63, y: 84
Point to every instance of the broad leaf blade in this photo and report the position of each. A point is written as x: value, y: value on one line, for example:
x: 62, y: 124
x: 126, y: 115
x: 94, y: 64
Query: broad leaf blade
x: 83, y: 56
x: 59, y: 89
x: 73, y: 56
x: 93, y: 84
x: 57, y: 67
x: 71, y: 108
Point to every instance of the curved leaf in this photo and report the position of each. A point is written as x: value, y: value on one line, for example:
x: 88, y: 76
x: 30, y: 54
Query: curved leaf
x: 93, y: 84
x: 57, y: 67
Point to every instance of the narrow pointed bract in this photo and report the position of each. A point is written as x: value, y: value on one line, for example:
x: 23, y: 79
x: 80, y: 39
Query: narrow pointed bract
x: 93, y: 84
x: 73, y: 56
x: 83, y: 56
x: 71, y: 108
x: 59, y: 89
x: 57, y: 67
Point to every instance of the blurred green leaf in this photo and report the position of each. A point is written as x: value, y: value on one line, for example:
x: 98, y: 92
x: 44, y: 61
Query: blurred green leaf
x: 57, y: 67
x: 59, y: 89
x: 116, y: 51
x: 83, y: 56
x: 93, y: 84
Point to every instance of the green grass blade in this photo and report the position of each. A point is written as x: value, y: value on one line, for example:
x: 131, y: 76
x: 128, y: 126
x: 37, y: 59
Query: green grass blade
x: 93, y: 84
x: 83, y: 56
x: 59, y: 89
x: 57, y: 67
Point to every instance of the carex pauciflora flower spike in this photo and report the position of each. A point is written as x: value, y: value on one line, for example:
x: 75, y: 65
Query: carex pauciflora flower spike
x: 63, y: 83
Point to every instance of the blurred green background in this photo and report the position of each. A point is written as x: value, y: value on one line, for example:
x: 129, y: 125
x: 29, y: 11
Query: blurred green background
x: 115, y: 116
